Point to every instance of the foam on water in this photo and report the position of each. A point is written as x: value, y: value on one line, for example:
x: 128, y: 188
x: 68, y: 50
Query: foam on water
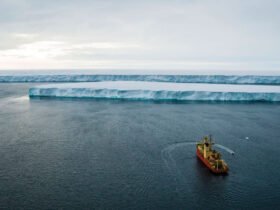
x: 225, y: 148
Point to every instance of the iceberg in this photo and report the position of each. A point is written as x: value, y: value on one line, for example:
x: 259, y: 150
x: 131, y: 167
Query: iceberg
x: 159, y: 91
x: 175, y: 78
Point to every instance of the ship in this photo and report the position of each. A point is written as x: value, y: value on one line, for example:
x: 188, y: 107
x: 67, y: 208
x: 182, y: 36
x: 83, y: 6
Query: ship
x: 210, y: 157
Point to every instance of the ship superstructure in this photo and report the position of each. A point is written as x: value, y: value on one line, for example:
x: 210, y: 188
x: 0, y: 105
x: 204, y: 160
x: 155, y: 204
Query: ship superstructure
x: 210, y: 157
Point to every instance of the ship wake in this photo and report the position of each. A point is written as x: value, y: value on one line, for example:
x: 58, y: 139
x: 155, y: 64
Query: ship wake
x: 170, y: 162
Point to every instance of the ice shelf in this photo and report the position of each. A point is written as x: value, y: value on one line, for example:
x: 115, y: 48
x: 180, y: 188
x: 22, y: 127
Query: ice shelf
x: 176, y: 78
x: 159, y: 91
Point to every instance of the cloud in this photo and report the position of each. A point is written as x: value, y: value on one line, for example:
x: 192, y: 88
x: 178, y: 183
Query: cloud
x: 53, y: 49
x: 24, y: 36
x: 183, y: 33
x: 42, y: 49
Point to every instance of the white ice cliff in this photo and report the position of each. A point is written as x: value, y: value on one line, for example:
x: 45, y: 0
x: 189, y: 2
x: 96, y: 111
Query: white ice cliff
x: 176, y: 78
x: 159, y: 91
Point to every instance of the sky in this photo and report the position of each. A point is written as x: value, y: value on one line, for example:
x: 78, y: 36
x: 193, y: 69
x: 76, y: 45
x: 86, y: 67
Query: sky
x: 209, y: 35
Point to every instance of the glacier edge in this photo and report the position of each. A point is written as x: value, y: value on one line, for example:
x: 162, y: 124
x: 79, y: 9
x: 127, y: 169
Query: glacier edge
x: 213, y: 79
x: 159, y: 91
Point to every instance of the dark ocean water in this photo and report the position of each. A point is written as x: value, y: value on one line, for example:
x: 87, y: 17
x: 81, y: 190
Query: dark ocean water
x: 110, y: 154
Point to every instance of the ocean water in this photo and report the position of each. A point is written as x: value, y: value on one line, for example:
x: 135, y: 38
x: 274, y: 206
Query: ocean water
x: 118, y: 154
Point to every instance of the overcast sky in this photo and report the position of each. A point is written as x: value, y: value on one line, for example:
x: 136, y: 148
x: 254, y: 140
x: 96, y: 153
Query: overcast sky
x: 147, y: 34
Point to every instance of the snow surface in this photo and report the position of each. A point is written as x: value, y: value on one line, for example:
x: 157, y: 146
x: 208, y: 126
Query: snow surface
x: 159, y: 91
x: 136, y: 72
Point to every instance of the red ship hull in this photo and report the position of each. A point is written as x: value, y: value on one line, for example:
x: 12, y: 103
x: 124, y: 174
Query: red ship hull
x: 207, y: 164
